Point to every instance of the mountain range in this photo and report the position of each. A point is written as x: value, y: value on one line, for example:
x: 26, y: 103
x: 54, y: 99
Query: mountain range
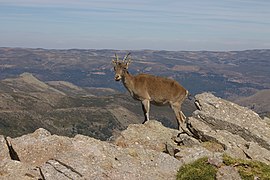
x: 227, y: 74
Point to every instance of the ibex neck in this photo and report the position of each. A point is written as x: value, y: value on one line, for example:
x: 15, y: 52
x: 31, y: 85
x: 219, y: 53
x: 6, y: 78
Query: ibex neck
x: 128, y: 81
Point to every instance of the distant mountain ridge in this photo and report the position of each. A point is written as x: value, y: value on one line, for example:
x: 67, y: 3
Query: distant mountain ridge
x: 230, y: 75
x: 227, y: 74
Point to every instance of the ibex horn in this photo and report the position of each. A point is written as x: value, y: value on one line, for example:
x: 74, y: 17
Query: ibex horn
x: 116, y: 57
x: 126, y: 56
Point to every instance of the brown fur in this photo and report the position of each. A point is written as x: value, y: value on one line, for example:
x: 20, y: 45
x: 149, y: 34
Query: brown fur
x: 157, y: 90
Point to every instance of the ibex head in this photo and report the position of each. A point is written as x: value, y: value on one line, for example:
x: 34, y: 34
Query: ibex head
x: 120, y: 67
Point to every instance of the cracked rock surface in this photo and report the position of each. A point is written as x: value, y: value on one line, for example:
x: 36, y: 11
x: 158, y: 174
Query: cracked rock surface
x: 241, y: 131
x: 46, y: 156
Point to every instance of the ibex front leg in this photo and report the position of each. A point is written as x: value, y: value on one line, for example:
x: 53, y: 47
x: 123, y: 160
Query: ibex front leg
x: 146, y: 108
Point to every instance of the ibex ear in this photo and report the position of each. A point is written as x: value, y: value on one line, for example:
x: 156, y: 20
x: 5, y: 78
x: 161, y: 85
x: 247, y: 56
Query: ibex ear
x: 114, y: 62
x: 128, y: 62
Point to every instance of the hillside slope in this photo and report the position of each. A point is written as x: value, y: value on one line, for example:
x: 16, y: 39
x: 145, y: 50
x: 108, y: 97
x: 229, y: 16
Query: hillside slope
x: 27, y: 103
x: 259, y: 102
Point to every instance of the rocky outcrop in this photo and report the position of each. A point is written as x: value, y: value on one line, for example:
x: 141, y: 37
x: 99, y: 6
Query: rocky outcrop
x: 239, y: 130
x: 147, y: 136
x: 142, y: 151
x: 46, y: 156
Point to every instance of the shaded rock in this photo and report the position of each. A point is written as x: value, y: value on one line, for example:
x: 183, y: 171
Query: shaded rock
x: 185, y: 140
x: 12, y: 153
x: 227, y: 173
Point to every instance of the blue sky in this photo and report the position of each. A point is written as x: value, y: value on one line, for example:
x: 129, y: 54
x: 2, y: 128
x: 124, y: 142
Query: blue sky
x: 131, y: 25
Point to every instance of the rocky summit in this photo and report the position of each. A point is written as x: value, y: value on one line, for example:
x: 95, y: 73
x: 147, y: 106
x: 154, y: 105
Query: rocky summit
x: 142, y: 151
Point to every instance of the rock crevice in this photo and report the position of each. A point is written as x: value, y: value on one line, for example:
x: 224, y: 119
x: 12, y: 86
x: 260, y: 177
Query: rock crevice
x: 12, y: 153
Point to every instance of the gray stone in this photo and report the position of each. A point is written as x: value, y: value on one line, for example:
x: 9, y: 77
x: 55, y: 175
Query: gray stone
x: 56, y: 157
x: 151, y: 135
x: 220, y: 114
x: 241, y: 132
x: 229, y: 141
x: 185, y: 140
x: 10, y: 170
x: 256, y: 152
x: 234, y: 145
x: 216, y: 160
x: 101, y: 160
x: 227, y: 173
x: 189, y: 154
x: 4, y: 152
x: 40, y: 146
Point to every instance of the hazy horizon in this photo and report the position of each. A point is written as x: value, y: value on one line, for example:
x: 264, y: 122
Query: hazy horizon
x: 193, y: 25
x: 18, y: 47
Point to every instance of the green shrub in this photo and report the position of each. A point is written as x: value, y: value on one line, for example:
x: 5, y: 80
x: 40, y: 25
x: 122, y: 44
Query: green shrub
x: 198, y: 170
x: 202, y: 170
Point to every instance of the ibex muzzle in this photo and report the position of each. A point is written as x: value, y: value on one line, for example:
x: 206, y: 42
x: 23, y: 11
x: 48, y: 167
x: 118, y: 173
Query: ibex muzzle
x: 148, y: 88
x: 117, y: 77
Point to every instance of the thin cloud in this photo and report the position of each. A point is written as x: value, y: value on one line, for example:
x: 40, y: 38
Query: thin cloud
x: 152, y: 20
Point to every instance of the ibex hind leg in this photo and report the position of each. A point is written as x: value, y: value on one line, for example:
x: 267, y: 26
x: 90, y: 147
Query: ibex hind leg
x: 181, y: 119
x: 177, y: 112
x: 183, y: 116
x: 146, y: 108
x: 184, y: 125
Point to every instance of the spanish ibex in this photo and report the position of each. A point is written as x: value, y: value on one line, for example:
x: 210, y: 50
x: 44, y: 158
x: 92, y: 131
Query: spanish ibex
x: 148, y: 88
